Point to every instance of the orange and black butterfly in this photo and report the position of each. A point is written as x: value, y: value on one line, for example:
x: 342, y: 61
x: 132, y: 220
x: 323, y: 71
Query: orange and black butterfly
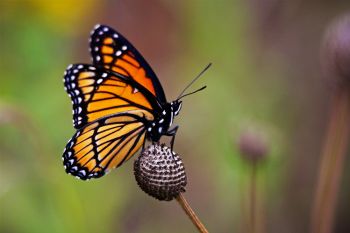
x: 118, y: 102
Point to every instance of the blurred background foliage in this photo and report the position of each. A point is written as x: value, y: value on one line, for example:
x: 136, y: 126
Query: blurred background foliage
x: 265, y: 76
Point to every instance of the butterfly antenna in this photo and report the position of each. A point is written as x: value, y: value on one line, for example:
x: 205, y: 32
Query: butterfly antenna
x: 195, y: 79
x: 200, y: 89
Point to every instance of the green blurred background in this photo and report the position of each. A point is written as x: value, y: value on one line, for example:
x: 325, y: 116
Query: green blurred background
x: 265, y: 77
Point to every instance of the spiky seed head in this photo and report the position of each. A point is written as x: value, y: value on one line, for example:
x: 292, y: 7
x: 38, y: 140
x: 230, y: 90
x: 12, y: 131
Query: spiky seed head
x: 160, y: 172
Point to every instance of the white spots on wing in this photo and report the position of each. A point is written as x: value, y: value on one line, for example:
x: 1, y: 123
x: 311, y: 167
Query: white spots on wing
x: 80, y: 110
x: 73, y: 85
x: 75, y: 71
x: 118, y: 53
x: 164, y: 112
x: 80, y: 100
x: 98, y: 58
x: 161, y: 120
x: 96, y: 49
x: 79, y: 118
x: 104, y: 75
x: 115, y: 35
x: 124, y: 47
x: 99, y: 81
x: 97, y: 39
x: 135, y: 90
x: 160, y: 130
x: 72, y: 77
x: 97, y: 26
x: 149, y: 129
x: 65, y: 73
x: 80, y: 66
x: 100, y: 32
x: 82, y: 172
x: 70, y: 66
x: 92, y: 68
x: 76, y: 92
x: 65, y: 88
x: 105, y: 29
x: 153, y: 124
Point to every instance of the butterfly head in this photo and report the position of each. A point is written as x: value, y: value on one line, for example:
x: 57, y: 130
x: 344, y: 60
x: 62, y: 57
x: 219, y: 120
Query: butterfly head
x: 176, y: 107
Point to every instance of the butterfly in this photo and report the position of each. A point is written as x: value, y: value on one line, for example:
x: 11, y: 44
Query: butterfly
x: 118, y: 104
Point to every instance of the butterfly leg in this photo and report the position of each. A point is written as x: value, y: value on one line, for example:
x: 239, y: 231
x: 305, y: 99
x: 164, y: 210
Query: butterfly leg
x: 172, y: 133
x: 143, y: 145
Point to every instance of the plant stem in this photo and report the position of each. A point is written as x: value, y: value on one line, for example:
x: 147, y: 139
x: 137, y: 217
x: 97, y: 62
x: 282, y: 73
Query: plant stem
x: 190, y: 213
x: 253, y: 198
x: 332, y: 163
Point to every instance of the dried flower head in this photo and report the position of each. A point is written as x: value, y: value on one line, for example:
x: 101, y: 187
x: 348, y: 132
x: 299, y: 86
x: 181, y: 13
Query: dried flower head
x: 160, y: 172
x: 252, y: 146
x: 336, y: 50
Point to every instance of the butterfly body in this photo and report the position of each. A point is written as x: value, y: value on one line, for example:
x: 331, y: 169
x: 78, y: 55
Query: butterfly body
x: 163, y: 122
x: 118, y: 104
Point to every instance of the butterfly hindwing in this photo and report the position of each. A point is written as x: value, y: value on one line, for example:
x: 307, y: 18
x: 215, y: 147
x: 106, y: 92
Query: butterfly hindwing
x: 104, y: 144
x: 110, y: 50
x: 96, y: 93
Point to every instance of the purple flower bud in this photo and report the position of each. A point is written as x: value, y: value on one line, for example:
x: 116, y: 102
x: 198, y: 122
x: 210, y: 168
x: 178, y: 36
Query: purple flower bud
x: 336, y: 50
x: 252, y: 146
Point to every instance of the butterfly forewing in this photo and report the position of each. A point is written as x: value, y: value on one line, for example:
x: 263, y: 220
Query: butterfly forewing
x: 110, y: 50
x: 105, y: 144
x: 95, y: 94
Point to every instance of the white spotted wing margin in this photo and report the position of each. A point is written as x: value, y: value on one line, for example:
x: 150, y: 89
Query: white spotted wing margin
x: 104, y: 144
x: 108, y: 49
x: 96, y: 93
x: 79, y: 81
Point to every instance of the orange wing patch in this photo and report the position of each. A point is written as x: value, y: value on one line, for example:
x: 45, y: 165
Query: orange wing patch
x: 96, y: 94
x: 112, y: 51
x: 125, y: 64
x: 134, y: 70
x: 122, y: 62
x: 104, y: 145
